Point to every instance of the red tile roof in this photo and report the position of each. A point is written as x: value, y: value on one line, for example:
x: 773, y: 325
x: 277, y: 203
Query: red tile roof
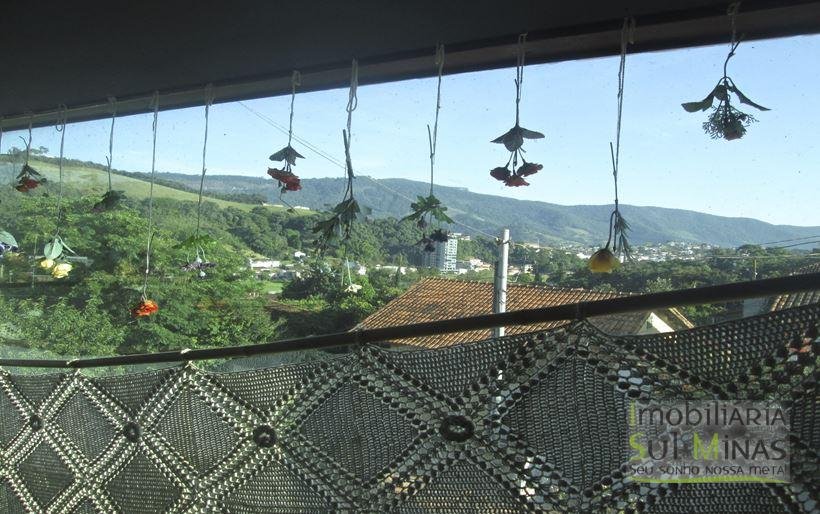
x: 434, y: 299
x: 786, y: 301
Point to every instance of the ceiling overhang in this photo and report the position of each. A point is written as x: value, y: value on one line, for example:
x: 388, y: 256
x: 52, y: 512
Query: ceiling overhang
x: 83, y: 53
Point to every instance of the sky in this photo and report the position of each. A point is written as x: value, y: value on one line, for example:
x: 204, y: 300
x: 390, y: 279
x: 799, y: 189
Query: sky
x: 666, y: 159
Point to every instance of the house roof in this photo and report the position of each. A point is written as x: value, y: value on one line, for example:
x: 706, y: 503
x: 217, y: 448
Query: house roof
x: 434, y: 299
x: 787, y: 301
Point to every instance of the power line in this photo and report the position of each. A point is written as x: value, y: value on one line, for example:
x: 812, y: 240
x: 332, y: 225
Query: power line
x: 789, y: 240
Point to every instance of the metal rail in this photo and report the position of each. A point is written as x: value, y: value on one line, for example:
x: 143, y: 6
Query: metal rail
x: 573, y: 311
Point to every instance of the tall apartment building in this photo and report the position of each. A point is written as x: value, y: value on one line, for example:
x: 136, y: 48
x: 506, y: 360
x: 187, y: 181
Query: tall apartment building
x: 444, y: 258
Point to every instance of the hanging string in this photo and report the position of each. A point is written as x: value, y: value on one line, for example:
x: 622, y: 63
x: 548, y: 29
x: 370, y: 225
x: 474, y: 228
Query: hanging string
x: 627, y: 37
x: 732, y: 11
x: 432, y: 139
x: 295, y: 80
x: 113, y: 103
x: 352, y: 103
x: 209, y: 99
x: 155, y: 106
x: 28, y: 143
x: 1, y: 135
x: 61, y: 129
x: 519, y: 72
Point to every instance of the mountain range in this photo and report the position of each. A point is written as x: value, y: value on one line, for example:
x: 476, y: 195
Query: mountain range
x: 529, y: 221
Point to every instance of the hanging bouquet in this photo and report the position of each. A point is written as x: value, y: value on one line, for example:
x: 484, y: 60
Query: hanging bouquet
x: 144, y: 308
x: 425, y: 211
x: 110, y: 200
x: 725, y: 121
x: 285, y: 177
x: 511, y: 174
x: 8, y: 244
x: 605, y: 260
x: 197, y: 245
x: 54, y: 258
x: 28, y: 179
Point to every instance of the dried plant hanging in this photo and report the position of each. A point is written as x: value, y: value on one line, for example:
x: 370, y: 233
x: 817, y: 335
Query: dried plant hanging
x: 111, y: 198
x: 607, y: 259
x: 340, y: 223
x: 56, y: 251
x: 428, y: 212
x: 28, y: 178
x: 147, y: 306
x: 726, y: 121
x: 285, y: 177
x: 513, y: 140
x: 198, y: 242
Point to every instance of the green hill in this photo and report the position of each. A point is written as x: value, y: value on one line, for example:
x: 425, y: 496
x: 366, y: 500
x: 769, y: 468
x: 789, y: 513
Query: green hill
x: 91, y: 180
x: 529, y: 220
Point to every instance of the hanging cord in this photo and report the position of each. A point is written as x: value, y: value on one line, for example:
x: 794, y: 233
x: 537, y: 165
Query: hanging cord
x: 1, y: 135
x: 519, y: 72
x: 627, y: 38
x: 209, y: 99
x: 732, y: 11
x: 155, y: 105
x: 352, y: 103
x: 61, y: 129
x: 110, y: 159
x: 295, y: 80
x: 432, y: 139
x: 28, y: 143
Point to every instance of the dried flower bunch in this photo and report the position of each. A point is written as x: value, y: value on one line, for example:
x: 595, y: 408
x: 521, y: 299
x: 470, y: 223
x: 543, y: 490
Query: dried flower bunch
x: 54, y: 258
x: 426, y: 210
x: 513, y: 140
x: 285, y: 177
x: 197, y: 245
x: 726, y: 121
x: 144, y: 308
x: 110, y: 200
x: 340, y: 223
x: 8, y: 244
x: 287, y: 180
x: 28, y: 179
x: 606, y: 259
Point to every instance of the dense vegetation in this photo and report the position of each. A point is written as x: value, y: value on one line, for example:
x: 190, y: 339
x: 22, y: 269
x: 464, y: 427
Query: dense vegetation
x: 88, y: 312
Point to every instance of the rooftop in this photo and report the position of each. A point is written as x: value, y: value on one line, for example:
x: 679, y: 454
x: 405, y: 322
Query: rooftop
x: 787, y: 301
x: 434, y: 299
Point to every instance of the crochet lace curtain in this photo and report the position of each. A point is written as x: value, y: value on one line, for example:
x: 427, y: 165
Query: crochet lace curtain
x: 536, y: 422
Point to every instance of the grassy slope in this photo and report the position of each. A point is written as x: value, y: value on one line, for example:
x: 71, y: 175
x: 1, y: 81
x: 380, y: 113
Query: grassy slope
x: 93, y: 181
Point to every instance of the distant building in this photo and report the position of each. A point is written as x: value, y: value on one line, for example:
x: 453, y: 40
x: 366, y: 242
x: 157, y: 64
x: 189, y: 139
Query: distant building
x: 444, y: 258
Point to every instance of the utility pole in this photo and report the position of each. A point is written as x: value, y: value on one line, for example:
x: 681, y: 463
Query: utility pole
x: 500, y: 281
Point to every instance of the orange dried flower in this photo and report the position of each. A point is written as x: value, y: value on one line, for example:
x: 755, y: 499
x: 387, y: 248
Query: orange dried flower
x: 144, y: 308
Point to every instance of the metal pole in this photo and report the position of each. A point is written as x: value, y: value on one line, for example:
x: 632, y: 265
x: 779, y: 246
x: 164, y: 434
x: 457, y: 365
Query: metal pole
x: 500, y: 282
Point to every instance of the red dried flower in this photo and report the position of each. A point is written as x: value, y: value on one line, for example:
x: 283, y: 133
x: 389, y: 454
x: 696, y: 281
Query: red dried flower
x: 501, y: 173
x: 529, y: 168
x: 286, y: 179
x: 516, y: 181
x: 144, y: 308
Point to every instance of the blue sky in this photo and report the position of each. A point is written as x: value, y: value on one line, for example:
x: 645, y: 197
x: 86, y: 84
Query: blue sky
x: 666, y: 159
